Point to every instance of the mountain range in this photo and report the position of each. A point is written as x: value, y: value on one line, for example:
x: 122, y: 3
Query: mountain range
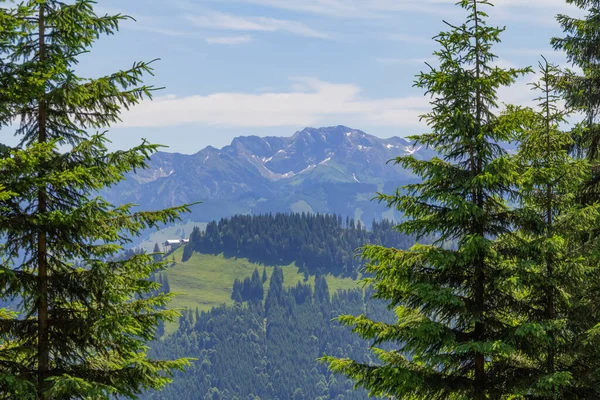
x: 326, y: 170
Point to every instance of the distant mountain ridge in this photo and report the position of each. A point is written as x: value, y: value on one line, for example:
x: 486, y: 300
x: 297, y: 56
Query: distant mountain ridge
x: 327, y: 170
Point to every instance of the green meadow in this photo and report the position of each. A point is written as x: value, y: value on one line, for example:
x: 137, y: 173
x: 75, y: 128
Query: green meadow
x: 205, y: 281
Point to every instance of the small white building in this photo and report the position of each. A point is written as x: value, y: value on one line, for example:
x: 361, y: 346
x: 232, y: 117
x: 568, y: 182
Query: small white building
x: 173, y: 244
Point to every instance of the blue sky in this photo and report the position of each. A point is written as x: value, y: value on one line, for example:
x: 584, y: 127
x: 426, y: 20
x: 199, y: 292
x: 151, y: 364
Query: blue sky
x: 271, y: 67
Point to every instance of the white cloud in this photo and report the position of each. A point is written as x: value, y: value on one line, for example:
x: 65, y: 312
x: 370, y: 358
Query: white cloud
x: 382, y: 8
x: 222, y: 21
x: 318, y: 103
x: 309, y: 102
x: 229, y: 40
x: 354, y: 8
x: 160, y: 31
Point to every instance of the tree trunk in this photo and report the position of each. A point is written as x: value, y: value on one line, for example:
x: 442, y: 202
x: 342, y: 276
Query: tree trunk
x: 549, y: 232
x: 42, y: 254
x: 479, y: 292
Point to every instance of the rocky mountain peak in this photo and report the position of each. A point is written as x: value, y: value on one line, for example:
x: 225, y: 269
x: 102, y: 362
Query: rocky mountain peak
x: 332, y: 169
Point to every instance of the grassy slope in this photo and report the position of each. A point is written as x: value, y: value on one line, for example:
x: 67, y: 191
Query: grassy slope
x: 205, y: 281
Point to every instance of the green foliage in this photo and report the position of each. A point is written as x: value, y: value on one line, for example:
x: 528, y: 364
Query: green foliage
x: 452, y: 304
x: 83, y: 320
x: 312, y: 241
x: 157, y: 254
x: 248, y: 351
x: 206, y: 281
x: 553, y: 276
x: 581, y: 44
x: 251, y: 289
x: 581, y: 91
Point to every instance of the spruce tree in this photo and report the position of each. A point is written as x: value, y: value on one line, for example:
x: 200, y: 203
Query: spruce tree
x: 553, y: 275
x: 275, y: 295
x: 582, y: 47
x: 256, y: 285
x: 450, y: 303
x: 321, y: 290
x: 166, y: 287
x: 582, y: 92
x: 83, y: 321
x: 157, y: 254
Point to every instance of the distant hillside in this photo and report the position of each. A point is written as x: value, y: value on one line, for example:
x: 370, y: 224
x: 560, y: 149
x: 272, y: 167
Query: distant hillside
x: 206, y: 281
x: 314, y: 242
x: 268, y: 349
x: 327, y: 170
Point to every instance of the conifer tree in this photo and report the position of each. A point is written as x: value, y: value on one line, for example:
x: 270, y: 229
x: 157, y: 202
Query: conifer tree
x: 83, y: 321
x: 257, y: 290
x: 166, y: 287
x: 553, y: 274
x: 582, y: 47
x: 275, y: 295
x: 321, y: 289
x: 157, y: 256
x: 450, y: 303
x: 582, y: 92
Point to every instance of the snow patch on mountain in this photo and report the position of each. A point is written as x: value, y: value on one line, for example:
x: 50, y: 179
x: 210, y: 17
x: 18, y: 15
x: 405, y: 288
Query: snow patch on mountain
x: 312, y: 166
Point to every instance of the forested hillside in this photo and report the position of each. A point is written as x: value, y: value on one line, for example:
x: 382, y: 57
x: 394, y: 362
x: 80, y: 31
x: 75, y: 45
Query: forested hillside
x: 312, y: 241
x: 268, y: 349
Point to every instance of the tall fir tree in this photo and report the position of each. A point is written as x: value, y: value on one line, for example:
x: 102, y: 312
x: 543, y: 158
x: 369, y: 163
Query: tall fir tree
x: 581, y: 44
x: 83, y: 321
x: 450, y: 303
x: 554, y: 275
x: 157, y: 256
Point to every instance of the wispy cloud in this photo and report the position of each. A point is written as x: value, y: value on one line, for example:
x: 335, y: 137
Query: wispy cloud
x: 382, y: 8
x: 208, y: 19
x: 222, y: 21
x: 354, y: 8
x: 312, y: 102
x: 229, y: 40
x: 160, y: 31
x: 145, y: 23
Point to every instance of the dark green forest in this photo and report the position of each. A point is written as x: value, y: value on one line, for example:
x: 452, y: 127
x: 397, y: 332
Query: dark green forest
x: 267, y: 344
x: 313, y: 241
x: 267, y: 349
